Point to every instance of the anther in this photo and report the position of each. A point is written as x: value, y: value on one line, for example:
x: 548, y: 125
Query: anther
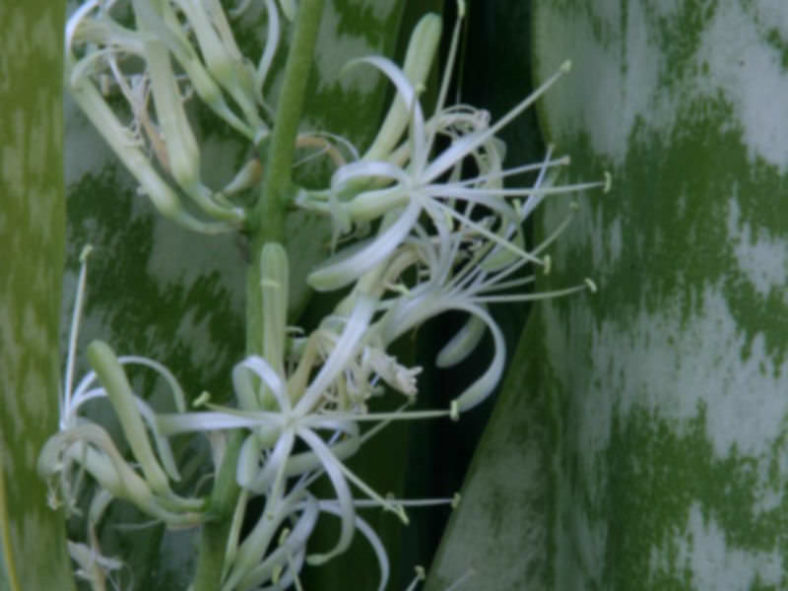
x: 454, y: 411
x: 83, y: 256
x: 608, y: 182
x: 202, y: 400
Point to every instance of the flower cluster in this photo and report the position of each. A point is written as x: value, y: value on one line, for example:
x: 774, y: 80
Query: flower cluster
x: 152, y: 134
x: 436, y: 230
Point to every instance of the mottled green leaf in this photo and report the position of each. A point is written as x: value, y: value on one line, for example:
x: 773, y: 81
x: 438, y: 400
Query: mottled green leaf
x: 656, y: 430
x: 31, y: 242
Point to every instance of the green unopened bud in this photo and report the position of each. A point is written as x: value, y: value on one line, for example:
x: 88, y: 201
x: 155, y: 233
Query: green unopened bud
x: 422, y: 48
x: 183, y: 154
x: 125, y: 146
x: 274, y: 280
x: 221, y: 54
x: 288, y: 9
x: 114, y: 380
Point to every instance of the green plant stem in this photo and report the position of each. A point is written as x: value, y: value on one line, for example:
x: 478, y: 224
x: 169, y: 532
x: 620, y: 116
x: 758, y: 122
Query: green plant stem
x: 267, y: 218
x: 266, y: 224
x: 213, y: 538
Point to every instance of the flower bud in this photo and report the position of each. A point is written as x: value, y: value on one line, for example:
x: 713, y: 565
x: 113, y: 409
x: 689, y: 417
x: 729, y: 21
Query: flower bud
x: 422, y: 48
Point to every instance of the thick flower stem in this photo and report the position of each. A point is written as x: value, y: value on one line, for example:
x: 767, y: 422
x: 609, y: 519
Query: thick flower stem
x: 213, y: 539
x: 267, y: 218
x: 266, y: 224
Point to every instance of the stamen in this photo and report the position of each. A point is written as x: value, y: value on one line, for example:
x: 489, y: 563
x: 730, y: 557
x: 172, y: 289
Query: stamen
x: 462, y: 580
x: 65, y: 401
x: 446, y: 160
x: 420, y: 576
x: 202, y: 400
x: 492, y: 236
x: 608, y: 183
x: 531, y: 297
x: 454, y: 410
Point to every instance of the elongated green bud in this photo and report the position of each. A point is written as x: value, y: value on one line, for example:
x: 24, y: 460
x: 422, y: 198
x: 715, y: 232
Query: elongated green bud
x: 422, y: 47
x: 274, y: 283
x: 112, y: 377
x: 221, y: 54
x: 182, y: 152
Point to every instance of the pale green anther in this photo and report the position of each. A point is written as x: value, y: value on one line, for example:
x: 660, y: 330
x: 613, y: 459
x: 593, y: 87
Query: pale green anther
x: 112, y: 377
x: 274, y: 280
x: 454, y: 411
x: 86, y: 250
x: 203, y: 399
x: 455, y: 500
x: 422, y: 48
x: 608, y: 182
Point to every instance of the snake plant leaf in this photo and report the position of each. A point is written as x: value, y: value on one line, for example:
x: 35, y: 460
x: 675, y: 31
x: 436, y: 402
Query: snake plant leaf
x: 646, y: 428
x: 154, y: 289
x: 32, y: 222
x: 507, y: 481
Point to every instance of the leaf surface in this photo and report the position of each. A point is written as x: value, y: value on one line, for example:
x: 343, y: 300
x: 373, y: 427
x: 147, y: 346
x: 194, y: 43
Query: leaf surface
x: 32, y: 221
x: 644, y: 441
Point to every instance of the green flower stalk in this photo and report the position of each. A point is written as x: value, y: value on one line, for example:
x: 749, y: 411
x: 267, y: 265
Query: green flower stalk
x: 425, y: 237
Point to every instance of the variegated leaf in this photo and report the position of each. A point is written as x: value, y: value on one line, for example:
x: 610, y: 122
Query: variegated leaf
x: 648, y: 422
x: 32, y: 221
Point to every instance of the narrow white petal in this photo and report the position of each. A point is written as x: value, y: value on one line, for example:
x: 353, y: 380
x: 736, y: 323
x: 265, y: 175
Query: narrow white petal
x: 344, y: 351
x: 462, y: 343
x: 483, y: 386
x: 348, y: 265
x: 408, y: 94
x: 346, y: 511
x: 372, y: 538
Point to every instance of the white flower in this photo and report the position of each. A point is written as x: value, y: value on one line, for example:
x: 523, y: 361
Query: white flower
x: 409, y: 182
x: 83, y: 446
